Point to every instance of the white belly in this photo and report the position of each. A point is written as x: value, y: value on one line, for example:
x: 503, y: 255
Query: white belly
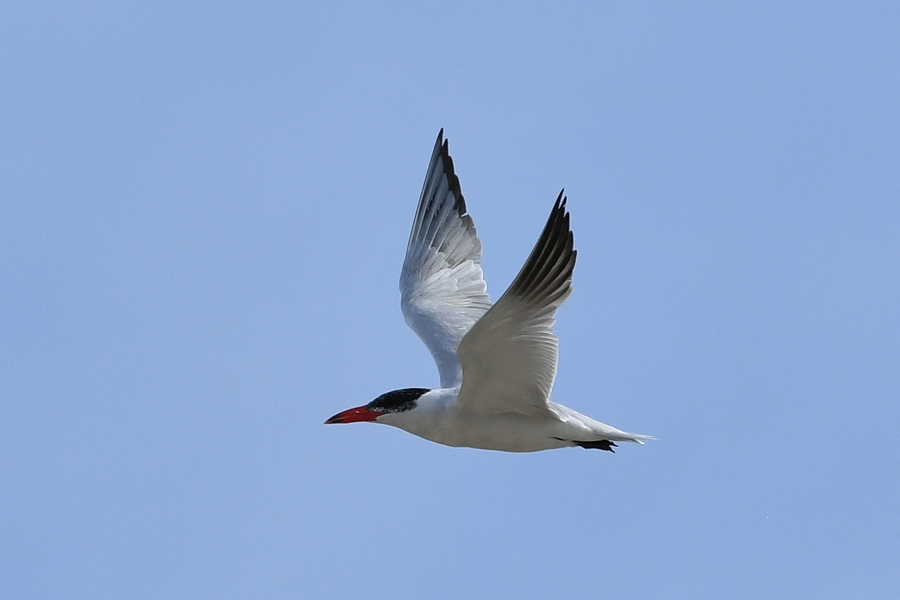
x: 438, y: 419
x: 508, y: 432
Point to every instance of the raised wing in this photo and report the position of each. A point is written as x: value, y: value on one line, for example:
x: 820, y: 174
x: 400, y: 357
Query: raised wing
x: 509, y: 357
x: 442, y: 288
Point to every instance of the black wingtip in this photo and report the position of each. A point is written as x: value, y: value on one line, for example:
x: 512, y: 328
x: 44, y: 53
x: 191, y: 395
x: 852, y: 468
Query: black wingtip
x: 452, y: 179
x: 548, y: 269
x: 561, y: 200
x: 439, y: 142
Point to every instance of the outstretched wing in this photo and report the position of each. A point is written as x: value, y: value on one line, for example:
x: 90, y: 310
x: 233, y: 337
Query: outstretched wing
x: 442, y: 288
x: 509, y: 357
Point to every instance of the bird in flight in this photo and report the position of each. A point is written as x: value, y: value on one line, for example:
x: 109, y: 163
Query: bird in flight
x: 497, y: 362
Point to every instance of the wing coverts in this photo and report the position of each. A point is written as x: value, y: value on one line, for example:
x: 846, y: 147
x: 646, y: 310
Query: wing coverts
x: 509, y: 357
x: 442, y: 287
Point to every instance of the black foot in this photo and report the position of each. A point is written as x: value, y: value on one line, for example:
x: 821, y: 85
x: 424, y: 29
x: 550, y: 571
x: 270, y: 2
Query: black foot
x: 599, y: 445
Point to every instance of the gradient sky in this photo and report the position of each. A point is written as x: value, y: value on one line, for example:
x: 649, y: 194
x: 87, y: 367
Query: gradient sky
x: 203, y: 213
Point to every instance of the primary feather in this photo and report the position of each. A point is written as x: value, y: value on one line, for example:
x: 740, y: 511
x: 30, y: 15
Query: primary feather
x: 442, y: 288
x: 497, y: 363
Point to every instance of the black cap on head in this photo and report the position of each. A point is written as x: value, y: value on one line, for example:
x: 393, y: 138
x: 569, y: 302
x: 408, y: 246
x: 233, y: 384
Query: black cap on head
x: 396, y: 401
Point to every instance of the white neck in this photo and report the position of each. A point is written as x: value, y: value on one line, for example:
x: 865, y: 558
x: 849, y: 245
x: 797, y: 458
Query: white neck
x: 429, y: 418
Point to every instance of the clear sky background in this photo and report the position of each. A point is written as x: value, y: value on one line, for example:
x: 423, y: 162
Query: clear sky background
x: 203, y: 213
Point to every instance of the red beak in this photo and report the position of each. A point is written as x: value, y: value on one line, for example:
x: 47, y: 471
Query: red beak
x: 354, y: 415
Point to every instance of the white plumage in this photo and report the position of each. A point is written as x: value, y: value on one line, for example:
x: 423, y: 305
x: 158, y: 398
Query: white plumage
x: 497, y: 363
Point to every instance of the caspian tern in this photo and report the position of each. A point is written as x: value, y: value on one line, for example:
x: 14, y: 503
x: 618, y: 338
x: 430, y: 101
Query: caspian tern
x: 497, y: 363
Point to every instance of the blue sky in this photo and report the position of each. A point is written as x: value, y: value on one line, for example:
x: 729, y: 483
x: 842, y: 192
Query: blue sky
x: 203, y: 212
